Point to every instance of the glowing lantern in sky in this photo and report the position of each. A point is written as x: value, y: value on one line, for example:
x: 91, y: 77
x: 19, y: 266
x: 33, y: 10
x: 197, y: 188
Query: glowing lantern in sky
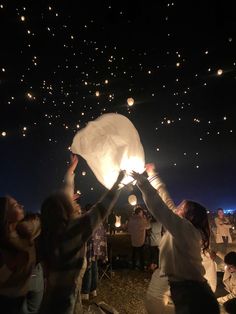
x: 132, y: 199
x: 4, y: 133
x: 220, y: 72
x: 97, y: 93
x: 130, y: 101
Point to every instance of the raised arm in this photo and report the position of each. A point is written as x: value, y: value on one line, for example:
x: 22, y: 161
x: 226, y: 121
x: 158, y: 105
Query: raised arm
x: 87, y: 223
x: 70, y: 176
x: 161, y: 212
x: 157, y: 183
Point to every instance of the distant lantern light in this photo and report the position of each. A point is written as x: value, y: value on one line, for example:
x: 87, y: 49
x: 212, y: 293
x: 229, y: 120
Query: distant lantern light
x: 106, y: 81
x: 130, y: 101
x: 83, y: 173
x: 29, y: 95
x: 177, y: 64
x: 4, y: 133
x: 3, y: 70
x: 22, y: 18
x: 220, y: 72
x: 132, y: 199
x: 230, y: 39
x: 24, y: 128
x: 118, y: 222
x: 97, y: 93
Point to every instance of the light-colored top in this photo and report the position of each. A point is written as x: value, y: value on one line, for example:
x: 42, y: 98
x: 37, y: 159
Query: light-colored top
x: 137, y: 226
x: 180, y: 247
x: 222, y: 229
x: 229, y: 280
x: 155, y: 233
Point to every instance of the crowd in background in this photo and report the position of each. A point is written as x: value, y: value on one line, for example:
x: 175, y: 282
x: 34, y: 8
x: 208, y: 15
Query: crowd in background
x: 49, y: 262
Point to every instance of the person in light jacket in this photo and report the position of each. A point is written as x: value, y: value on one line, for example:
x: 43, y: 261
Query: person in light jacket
x: 137, y: 226
x: 229, y: 280
x: 187, y: 234
x: 158, y: 298
x: 223, y: 236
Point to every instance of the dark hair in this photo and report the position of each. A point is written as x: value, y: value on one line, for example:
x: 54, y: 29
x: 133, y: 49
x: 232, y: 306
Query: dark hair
x: 230, y: 258
x: 197, y: 215
x: 138, y: 210
x: 220, y: 209
x: 56, y: 211
x: 3, y: 216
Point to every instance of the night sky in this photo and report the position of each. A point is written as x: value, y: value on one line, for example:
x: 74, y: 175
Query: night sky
x: 64, y: 63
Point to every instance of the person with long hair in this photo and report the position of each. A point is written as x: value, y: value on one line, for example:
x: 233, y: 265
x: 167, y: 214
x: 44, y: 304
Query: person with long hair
x: 63, y: 241
x: 186, y: 236
x: 17, y: 255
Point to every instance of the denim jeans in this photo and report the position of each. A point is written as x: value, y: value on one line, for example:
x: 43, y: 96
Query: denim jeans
x: 90, y: 278
x: 34, y: 296
x: 31, y: 302
x: 138, y: 256
x: 154, y: 255
x: 192, y: 297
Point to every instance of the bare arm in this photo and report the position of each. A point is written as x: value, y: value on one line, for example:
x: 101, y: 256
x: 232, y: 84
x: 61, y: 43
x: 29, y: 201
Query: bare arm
x: 70, y: 176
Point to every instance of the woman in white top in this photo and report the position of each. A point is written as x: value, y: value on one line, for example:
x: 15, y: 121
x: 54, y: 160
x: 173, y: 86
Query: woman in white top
x: 223, y: 236
x: 187, y: 232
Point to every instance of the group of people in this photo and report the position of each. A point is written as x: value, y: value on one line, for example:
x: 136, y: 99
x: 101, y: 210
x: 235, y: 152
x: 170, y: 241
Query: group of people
x: 43, y: 258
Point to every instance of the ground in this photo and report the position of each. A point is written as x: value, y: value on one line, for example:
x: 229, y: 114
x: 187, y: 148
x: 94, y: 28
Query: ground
x: 126, y: 289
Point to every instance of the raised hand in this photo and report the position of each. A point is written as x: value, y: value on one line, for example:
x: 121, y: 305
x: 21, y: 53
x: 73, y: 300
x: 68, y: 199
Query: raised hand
x: 150, y: 168
x: 140, y: 178
x: 119, y: 179
x: 73, y: 162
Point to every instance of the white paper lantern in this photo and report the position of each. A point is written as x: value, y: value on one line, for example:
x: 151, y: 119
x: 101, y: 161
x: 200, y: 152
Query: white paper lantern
x: 130, y: 101
x: 132, y: 199
x: 110, y: 144
x: 118, y: 221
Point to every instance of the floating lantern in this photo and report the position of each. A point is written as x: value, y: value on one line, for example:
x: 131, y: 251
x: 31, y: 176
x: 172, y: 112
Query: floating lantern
x: 132, y: 199
x: 130, y: 101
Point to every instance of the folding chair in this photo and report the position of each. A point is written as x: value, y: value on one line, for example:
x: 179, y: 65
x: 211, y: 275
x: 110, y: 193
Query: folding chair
x: 105, y: 269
